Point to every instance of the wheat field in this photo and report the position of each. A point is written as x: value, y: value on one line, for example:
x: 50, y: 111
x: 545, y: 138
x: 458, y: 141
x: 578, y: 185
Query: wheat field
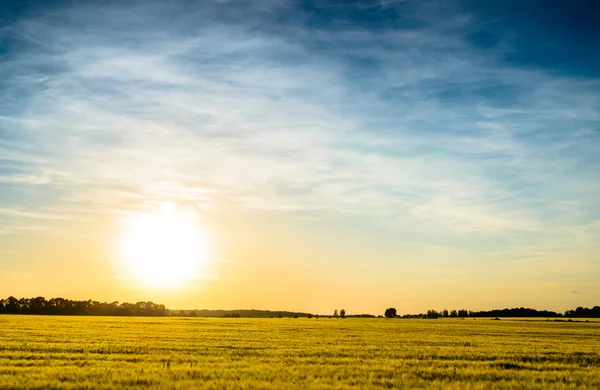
x: 43, y: 352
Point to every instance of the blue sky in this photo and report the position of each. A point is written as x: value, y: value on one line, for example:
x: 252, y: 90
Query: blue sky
x: 462, y: 133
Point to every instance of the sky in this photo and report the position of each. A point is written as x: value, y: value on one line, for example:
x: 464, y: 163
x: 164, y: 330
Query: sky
x: 349, y: 154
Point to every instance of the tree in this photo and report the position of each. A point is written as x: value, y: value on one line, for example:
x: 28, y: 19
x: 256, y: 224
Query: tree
x: 445, y: 313
x: 453, y: 313
x: 343, y: 313
x: 61, y: 306
x: 390, y: 312
x: 335, y: 313
x: 37, y: 305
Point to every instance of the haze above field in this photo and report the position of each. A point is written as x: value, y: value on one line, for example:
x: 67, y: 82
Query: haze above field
x: 301, y: 156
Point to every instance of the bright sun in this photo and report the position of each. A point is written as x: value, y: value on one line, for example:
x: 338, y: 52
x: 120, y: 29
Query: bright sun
x: 163, y: 250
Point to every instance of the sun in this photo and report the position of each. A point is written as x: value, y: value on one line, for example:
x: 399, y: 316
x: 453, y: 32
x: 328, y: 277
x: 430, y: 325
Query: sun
x: 163, y: 250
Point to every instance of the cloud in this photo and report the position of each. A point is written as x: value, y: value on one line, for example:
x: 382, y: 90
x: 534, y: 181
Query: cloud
x: 25, y: 214
x: 411, y: 125
x: 575, y: 292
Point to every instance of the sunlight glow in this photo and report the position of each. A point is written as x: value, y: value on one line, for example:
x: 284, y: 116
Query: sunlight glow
x: 163, y: 250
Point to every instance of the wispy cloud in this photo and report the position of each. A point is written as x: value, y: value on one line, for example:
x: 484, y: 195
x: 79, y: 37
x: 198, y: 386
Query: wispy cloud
x: 412, y: 125
x: 25, y: 214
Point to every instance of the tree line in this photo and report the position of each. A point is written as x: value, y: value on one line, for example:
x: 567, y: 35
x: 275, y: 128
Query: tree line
x: 252, y: 313
x: 580, y: 312
x: 61, y: 306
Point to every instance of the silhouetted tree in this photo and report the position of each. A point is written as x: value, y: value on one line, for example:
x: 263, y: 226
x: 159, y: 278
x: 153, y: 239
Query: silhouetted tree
x: 390, y: 312
x: 61, y: 306
x: 445, y: 313
x: 37, y: 305
x: 343, y: 313
x: 581, y: 312
x: 335, y: 313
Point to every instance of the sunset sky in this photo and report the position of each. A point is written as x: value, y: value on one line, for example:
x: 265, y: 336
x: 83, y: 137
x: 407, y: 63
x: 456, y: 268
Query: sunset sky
x: 352, y: 154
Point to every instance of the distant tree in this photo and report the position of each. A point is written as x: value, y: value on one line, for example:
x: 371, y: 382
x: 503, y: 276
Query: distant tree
x: 343, y: 313
x: 24, y: 305
x: 581, y: 312
x: 37, y: 305
x: 445, y: 313
x: 11, y: 305
x: 453, y: 313
x: 295, y: 315
x: 335, y: 313
x: 60, y: 306
x: 390, y: 312
x: 310, y: 316
x: 432, y: 314
x: 463, y: 313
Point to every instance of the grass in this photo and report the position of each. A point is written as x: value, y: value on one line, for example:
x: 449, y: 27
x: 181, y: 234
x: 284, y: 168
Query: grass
x: 170, y: 353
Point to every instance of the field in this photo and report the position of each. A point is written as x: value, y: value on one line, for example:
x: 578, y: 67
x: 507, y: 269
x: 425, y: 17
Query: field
x: 110, y: 352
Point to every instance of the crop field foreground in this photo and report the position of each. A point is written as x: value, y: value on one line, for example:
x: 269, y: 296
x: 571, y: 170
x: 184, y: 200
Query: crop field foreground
x: 242, y: 353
